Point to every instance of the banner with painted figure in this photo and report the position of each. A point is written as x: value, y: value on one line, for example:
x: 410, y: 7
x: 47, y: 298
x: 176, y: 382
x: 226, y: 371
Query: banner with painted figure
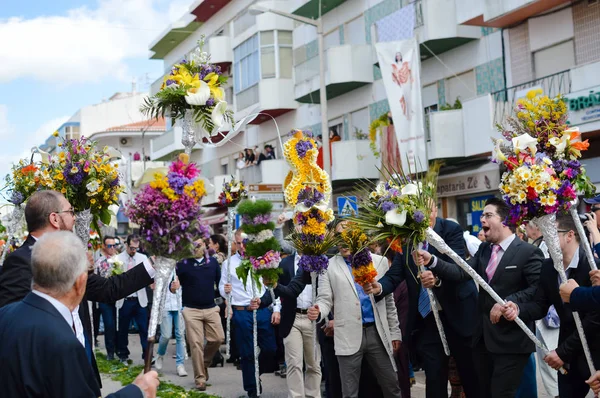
x: 399, y: 64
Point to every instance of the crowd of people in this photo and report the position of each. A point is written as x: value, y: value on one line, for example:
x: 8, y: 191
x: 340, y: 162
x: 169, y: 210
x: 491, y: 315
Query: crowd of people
x: 254, y: 156
x: 369, y: 338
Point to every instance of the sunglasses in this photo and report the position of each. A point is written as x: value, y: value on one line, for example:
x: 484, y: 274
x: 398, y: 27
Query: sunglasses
x: 111, y: 246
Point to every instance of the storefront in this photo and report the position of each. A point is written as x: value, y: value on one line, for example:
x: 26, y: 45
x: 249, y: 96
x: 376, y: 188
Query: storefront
x: 462, y: 195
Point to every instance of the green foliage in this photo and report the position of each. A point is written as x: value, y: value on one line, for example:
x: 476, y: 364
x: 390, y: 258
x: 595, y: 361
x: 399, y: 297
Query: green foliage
x: 257, y: 249
x: 312, y: 246
x: 252, y: 208
x: 126, y: 374
x: 244, y: 270
x: 254, y: 229
x: 447, y: 107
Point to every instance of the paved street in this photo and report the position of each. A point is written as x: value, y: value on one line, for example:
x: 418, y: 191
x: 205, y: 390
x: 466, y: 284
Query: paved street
x: 227, y: 382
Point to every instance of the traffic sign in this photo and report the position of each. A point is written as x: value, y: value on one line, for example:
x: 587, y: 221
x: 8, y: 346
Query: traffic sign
x: 347, y: 206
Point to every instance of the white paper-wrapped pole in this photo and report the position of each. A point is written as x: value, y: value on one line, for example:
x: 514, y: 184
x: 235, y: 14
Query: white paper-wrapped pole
x: 582, y: 237
x: 438, y: 242
x: 255, y: 339
x: 313, y: 278
x: 12, y: 227
x: 231, y: 211
x: 436, y: 314
x: 188, y: 138
x: 547, y: 225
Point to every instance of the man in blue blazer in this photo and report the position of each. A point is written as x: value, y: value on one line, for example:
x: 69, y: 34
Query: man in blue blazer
x: 49, y: 211
x: 41, y: 346
x: 458, y: 302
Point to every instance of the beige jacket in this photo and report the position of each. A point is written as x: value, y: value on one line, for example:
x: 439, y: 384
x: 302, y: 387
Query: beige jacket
x: 337, y: 292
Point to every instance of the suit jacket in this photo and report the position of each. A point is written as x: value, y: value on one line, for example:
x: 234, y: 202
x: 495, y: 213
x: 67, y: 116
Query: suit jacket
x: 457, y: 298
x: 289, y: 302
x: 516, y: 279
x: 16, y: 277
x: 569, y: 344
x: 41, y: 356
x: 585, y: 298
x: 142, y: 296
x: 337, y: 289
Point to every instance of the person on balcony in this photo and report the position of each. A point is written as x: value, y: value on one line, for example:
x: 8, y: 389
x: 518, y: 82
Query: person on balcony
x: 241, y: 161
x: 250, y: 157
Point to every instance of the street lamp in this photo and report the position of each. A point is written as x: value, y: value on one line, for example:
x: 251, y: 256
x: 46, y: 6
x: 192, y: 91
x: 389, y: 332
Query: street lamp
x: 318, y: 23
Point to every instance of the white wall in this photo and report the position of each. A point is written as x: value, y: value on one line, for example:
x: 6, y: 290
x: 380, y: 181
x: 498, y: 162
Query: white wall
x: 550, y: 29
x: 468, y: 9
x: 134, y: 141
x: 118, y: 112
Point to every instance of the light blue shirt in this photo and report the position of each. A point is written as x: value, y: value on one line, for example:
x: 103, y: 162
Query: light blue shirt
x: 366, y: 306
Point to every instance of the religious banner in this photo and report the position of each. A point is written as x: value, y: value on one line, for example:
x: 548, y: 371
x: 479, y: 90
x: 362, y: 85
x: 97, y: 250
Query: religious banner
x: 399, y: 63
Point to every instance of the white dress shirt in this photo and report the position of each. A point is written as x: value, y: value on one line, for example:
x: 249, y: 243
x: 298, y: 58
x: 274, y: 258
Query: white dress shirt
x: 304, y: 300
x: 241, y: 295
x: 72, y: 318
x: 130, y: 262
x: 173, y: 300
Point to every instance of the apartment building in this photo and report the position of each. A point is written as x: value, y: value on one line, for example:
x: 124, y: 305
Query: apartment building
x: 483, y: 53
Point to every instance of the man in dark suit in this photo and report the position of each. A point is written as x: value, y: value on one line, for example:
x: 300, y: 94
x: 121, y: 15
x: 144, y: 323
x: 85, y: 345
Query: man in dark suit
x: 297, y: 333
x: 42, y: 354
x: 512, y: 268
x: 458, y: 301
x: 49, y: 211
x: 569, y: 350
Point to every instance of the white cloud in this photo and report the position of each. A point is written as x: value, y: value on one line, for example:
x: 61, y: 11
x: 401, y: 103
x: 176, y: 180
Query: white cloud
x: 86, y: 44
x: 8, y: 157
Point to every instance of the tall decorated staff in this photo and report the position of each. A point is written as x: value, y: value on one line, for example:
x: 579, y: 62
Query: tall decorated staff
x: 89, y: 179
x: 308, y: 192
x: 23, y: 181
x: 262, y: 255
x: 233, y: 192
x: 193, y: 93
x: 398, y: 211
x: 168, y: 212
x: 544, y: 175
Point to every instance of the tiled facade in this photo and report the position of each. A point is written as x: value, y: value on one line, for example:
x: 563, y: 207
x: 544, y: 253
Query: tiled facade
x: 521, y: 62
x: 441, y: 89
x: 586, y: 25
x: 490, y: 76
x: 378, y: 108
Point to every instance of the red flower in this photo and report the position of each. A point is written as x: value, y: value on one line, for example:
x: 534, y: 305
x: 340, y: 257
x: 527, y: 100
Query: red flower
x: 531, y: 194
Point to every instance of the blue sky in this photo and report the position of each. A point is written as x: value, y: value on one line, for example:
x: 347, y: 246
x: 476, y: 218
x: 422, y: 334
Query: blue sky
x: 65, y: 54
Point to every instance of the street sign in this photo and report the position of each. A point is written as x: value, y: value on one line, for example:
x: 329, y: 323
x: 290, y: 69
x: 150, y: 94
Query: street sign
x: 270, y: 192
x: 347, y: 206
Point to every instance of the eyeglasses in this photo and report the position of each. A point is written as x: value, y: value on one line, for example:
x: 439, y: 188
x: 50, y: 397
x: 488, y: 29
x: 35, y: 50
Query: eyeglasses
x: 111, y: 246
x: 563, y: 231
x: 71, y: 210
x: 134, y: 248
x: 487, y: 216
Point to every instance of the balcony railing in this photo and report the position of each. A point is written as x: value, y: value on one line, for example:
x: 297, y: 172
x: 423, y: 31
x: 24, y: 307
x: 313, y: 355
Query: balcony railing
x: 419, y: 20
x: 552, y: 85
x: 251, y: 175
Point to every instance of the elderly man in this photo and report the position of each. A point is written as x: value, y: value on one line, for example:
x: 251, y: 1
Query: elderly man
x: 49, y: 211
x: 361, y: 329
x: 41, y: 352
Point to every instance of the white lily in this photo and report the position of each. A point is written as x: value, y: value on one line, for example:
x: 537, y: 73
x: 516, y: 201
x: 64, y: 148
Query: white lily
x: 523, y: 142
x: 302, y: 208
x: 559, y: 143
x: 199, y: 96
x: 395, y: 217
x: 497, y: 155
x: 409, y: 189
x: 218, y: 113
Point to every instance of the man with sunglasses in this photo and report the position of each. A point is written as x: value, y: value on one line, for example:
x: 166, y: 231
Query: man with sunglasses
x: 134, y: 305
x: 49, y: 211
x: 105, y: 267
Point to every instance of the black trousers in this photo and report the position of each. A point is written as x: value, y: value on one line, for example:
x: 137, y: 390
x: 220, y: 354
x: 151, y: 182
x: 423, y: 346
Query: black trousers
x: 499, y: 374
x: 572, y: 385
x: 434, y: 361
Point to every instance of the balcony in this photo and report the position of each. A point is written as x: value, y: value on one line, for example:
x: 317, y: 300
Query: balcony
x: 501, y: 14
x: 310, y: 8
x: 351, y: 66
x: 353, y: 160
x: 221, y: 52
x: 443, y: 130
x: 165, y: 146
x: 173, y: 36
x: 203, y: 10
x: 272, y: 97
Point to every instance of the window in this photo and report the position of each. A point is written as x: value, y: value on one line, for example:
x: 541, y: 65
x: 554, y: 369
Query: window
x: 276, y: 45
x: 359, y: 123
x: 355, y: 31
x: 337, y: 128
x: 72, y: 132
x: 332, y: 39
x: 554, y: 59
x: 246, y: 64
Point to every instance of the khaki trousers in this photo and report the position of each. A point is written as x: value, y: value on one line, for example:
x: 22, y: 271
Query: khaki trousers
x: 299, y: 346
x: 200, y: 325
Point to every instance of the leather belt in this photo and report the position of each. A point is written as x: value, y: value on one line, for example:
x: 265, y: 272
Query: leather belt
x: 301, y: 311
x: 241, y: 308
x: 131, y: 298
x: 368, y: 324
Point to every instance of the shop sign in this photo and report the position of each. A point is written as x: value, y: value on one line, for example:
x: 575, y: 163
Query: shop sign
x: 476, y: 206
x: 468, y: 183
x: 270, y: 192
x: 584, y: 106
